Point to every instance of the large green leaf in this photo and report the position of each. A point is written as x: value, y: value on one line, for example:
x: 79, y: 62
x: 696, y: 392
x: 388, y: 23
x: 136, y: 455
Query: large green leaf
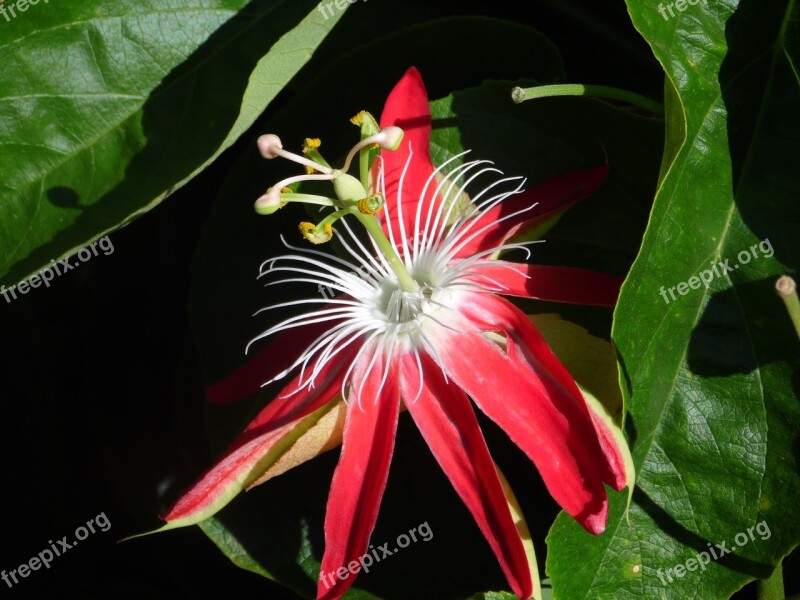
x: 106, y: 108
x: 709, y: 377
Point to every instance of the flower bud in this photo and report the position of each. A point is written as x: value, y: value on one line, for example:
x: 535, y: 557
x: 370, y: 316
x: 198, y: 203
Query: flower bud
x: 389, y: 138
x: 269, y: 202
x: 267, y: 144
x: 348, y: 188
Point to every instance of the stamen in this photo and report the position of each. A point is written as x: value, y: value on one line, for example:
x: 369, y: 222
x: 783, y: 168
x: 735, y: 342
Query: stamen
x: 311, y: 151
x: 267, y: 144
x: 388, y: 138
x: 271, y: 202
x: 369, y: 126
x: 366, y: 121
x: 314, y: 234
x: 371, y: 205
x: 268, y: 202
x: 270, y: 147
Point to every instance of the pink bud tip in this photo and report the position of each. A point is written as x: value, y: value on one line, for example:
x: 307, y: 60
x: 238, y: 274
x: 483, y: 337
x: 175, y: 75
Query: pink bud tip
x: 269, y: 202
x: 390, y: 137
x: 267, y: 144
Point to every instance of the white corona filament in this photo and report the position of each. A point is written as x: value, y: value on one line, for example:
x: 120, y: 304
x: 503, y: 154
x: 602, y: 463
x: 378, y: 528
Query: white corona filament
x: 372, y: 315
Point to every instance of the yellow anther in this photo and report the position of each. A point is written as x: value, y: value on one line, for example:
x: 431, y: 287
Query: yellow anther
x: 311, y: 143
x: 371, y: 205
x: 311, y: 151
x: 367, y: 123
x: 359, y: 118
x: 364, y: 207
x: 313, y: 235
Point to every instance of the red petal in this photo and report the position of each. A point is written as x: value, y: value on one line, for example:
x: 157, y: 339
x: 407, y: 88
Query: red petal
x: 540, y: 414
x: 360, y: 477
x: 407, y: 107
x: 553, y: 196
x: 240, y: 464
x: 620, y: 472
x: 492, y: 313
x: 447, y: 422
x: 275, y: 357
x: 551, y: 283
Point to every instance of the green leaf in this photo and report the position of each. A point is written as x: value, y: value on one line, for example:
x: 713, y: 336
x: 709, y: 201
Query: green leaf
x: 231, y: 547
x: 109, y: 107
x: 547, y: 594
x: 709, y: 376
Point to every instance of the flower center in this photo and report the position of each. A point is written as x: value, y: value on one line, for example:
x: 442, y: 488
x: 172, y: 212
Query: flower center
x: 399, y: 306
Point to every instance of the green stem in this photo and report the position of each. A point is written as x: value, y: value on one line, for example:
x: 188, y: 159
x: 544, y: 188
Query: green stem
x: 308, y: 199
x: 333, y: 217
x: 519, y: 94
x: 787, y: 290
x: 772, y: 587
x: 404, y: 278
x: 363, y: 167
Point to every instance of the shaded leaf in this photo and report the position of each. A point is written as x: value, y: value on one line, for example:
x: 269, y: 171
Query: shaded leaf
x: 231, y: 547
x: 153, y: 94
x: 709, y: 372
